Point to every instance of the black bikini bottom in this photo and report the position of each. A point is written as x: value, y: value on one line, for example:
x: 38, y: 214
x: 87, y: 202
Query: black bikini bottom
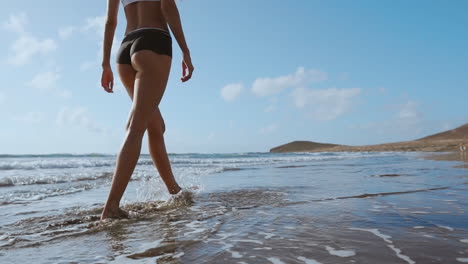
x: 157, y: 40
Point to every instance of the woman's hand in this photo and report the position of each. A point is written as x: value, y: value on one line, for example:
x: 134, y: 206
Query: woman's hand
x: 187, y: 67
x: 107, y: 79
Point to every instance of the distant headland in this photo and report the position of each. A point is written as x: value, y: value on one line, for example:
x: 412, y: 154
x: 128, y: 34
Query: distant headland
x: 449, y: 141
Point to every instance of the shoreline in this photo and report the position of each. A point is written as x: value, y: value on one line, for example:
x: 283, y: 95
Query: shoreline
x: 451, y: 156
x: 449, y: 145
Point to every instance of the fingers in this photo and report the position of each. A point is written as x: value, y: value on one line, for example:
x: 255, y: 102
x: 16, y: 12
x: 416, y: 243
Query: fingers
x: 184, y: 70
x: 186, y: 75
x: 108, y: 86
x: 111, y: 86
x: 107, y: 82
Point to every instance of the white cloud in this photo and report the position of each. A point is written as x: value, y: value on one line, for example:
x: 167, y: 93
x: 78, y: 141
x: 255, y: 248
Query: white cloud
x: 325, y: 104
x: 79, y: 116
x: 408, y: 118
x: 270, y: 108
x: 409, y: 111
x: 45, y: 81
x: 447, y: 126
x: 88, y: 65
x: 407, y: 122
x: 30, y: 118
x: 95, y: 24
x: 269, y: 86
x: 26, y: 46
x: 65, y: 93
x: 230, y: 92
x: 269, y: 129
x: 16, y: 23
x: 66, y: 32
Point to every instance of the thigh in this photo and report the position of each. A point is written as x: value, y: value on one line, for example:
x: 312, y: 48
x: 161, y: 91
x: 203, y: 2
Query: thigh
x: 127, y: 76
x: 152, y: 73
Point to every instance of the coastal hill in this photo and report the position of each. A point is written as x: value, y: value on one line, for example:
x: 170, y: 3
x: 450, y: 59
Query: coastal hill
x: 443, y: 141
x: 457, y: 133
x: 302, y: 146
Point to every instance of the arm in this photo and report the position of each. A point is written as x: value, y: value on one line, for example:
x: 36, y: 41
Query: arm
x: 107, y: 80
x: 171, y: 14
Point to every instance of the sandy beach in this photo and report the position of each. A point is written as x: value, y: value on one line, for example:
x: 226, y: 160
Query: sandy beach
x: 367, y: 207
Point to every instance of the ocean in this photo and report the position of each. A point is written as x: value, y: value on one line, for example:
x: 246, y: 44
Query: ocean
x: 381, y: 207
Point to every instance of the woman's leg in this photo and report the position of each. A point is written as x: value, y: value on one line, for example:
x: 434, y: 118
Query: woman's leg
x: 156, y: 128
x: 152, y: 72
x: 158, y: 151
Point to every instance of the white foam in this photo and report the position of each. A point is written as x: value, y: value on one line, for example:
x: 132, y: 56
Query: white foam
x: 464, y: 260
x: 386, y: 238
x: 308, y: 261
x: 418, y: 227
x: 178, y: 255
x: 263, y: 248
x: 153, y: 244
x: 224, y: 235
x: 403, y: 257
x: 177, y: 222
x: 446, y: 227
x: 227, y: 247
x: 196, y: 231
x: 340, y: 253
x: 418, y: 212
x: 193, y: 224
x: 248, y: 241
x: 464, y: 240
x: 376, y: 232
x: 276, y: 260
x: 235, y: 254
x: 267, y: 235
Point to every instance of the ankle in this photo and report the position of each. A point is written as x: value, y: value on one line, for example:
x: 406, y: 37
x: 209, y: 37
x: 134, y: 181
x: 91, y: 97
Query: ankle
x: 175, y: 190
x: 111, y: 207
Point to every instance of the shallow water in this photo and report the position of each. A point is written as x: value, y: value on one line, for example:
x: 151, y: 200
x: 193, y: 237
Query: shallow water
x: 248, y: 208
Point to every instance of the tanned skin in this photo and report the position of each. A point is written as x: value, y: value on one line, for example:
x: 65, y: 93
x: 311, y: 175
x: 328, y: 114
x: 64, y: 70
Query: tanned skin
x: 145, y: 81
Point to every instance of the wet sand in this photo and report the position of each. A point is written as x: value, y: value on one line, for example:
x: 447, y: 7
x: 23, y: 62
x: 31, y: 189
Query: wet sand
x: 450, y: 156
x: 376, y: 208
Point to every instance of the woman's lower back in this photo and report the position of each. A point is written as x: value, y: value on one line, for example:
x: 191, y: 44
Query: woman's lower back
x: 144, y: 14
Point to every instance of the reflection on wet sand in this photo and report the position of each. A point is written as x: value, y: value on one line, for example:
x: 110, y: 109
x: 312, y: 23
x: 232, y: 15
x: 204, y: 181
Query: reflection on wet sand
x: 300, y: 214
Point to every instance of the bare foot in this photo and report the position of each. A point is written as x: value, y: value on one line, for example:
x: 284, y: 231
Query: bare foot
x: 175, y: 190
x: 113, y: 213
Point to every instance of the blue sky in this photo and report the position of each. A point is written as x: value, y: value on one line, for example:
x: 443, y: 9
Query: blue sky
x: 267, y: 73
